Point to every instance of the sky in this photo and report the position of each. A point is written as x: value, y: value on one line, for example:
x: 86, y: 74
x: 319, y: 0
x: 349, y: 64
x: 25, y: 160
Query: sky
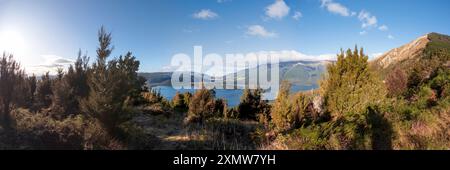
x: 45, y: 34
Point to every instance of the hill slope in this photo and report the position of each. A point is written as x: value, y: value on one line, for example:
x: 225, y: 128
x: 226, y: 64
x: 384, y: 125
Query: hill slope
x: 432, y: 49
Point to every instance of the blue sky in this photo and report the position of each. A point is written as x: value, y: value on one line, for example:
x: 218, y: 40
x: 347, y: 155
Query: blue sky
x: 154, y: 30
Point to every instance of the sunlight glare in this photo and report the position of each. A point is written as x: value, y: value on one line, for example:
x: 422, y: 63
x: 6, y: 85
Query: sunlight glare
x: 12, y: 42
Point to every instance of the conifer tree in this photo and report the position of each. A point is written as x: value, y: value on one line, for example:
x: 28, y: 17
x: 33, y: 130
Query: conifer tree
x: 251, y: 104
x: 350, y: 86
x: 281, y: 114
x: 111, y: 83
x: 202, y: 106
x: 10, y: 76
x: 44, y: 92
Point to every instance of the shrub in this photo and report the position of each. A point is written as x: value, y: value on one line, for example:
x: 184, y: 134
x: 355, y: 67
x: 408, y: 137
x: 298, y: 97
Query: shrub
x: 350, y: 86
x: 178, y: 102
x: 396, y: 82
x: 187, y: 98
x: 223, y: 134
x: 251, y: 104
x: 202, y: 106
x: 302, y: 109
x: 281, y: 114
x: 153, y: 97
x: 37, y: 131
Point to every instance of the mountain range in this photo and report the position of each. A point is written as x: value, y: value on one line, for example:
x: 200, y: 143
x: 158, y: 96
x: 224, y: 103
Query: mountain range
x: 307, y: 73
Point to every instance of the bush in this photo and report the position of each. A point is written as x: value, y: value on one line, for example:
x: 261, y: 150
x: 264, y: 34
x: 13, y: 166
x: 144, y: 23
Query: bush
x: 37, y: 131
x: 202, y: 106
x: 223, y: 134
x: 251, y: 104
x: 282, y: 116
x: 178, y: 102
x: 350, y: 86
x: 303, y: 109
x: 153, y: 97
x: 396, y: 82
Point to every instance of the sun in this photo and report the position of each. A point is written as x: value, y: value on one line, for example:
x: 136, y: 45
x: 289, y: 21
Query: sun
x: 12, y: 42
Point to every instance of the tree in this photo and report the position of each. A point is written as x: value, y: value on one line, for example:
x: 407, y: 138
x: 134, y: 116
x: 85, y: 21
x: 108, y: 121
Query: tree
x: 202, y: 106
x: 100, y: 102
x: 25, y: 91
x: 349, y: 86
x: 110, y: 83
x: 10, y: 75
x: 77, y: 76
x: 178, y: 101
x: 187, y: 98
x: 64, y: 100
x: 302, y: 109
x: 281, y: 114
x: 128, y: 67
x: 44, y: 92
x: 251, y: 104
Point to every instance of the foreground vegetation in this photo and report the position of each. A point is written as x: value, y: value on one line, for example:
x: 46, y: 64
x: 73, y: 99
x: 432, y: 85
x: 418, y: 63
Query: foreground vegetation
x: 106, y: 105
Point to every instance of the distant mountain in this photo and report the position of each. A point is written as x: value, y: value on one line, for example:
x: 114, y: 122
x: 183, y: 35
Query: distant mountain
x: 414, y: 53
x: 299, y: 73
x: 157, y: 78
x: 165, y: 78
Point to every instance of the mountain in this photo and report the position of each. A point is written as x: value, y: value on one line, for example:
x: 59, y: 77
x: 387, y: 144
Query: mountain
x: 303, y: 75
x: 157, y: 78
x: 165, y: 78
x: 420, y: 51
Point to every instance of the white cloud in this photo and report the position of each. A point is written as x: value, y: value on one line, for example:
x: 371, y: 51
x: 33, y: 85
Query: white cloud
x: 383, y: 28
x: 363, y: 32
x: 277, y: 10
x: 50, y: 63
x: 367, y: 19
x: 391, y: 37
x: 336, y: 8
x: 297, y: 15
x: 260, y: 31
x: 205, y: 14
x: 282, y: 55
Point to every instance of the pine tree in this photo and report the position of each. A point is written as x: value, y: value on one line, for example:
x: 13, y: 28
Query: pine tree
x: 111, y: 83
x: 281, y: 114
x: 350, y: 87
x: 251, y: 104
x: 302, y: 109
x: 100, y: 102
x: 202, y: 106
x: 178, y: 101
x: 10, y: 76
x: 32, y: 85
x: 44, y: 92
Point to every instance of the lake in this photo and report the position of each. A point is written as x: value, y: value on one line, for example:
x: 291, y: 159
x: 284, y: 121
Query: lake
x: 232, y: 96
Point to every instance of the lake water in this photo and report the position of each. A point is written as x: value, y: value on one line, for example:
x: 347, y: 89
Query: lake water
x: 232, y: 96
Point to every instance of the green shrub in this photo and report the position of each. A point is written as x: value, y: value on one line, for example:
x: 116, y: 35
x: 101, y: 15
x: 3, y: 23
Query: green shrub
x: 251, y: 104
x: 178, y: 102
x: 204, y: 106
x: 281, y: 114
x: 350, y: 86
x: 37, y: 131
